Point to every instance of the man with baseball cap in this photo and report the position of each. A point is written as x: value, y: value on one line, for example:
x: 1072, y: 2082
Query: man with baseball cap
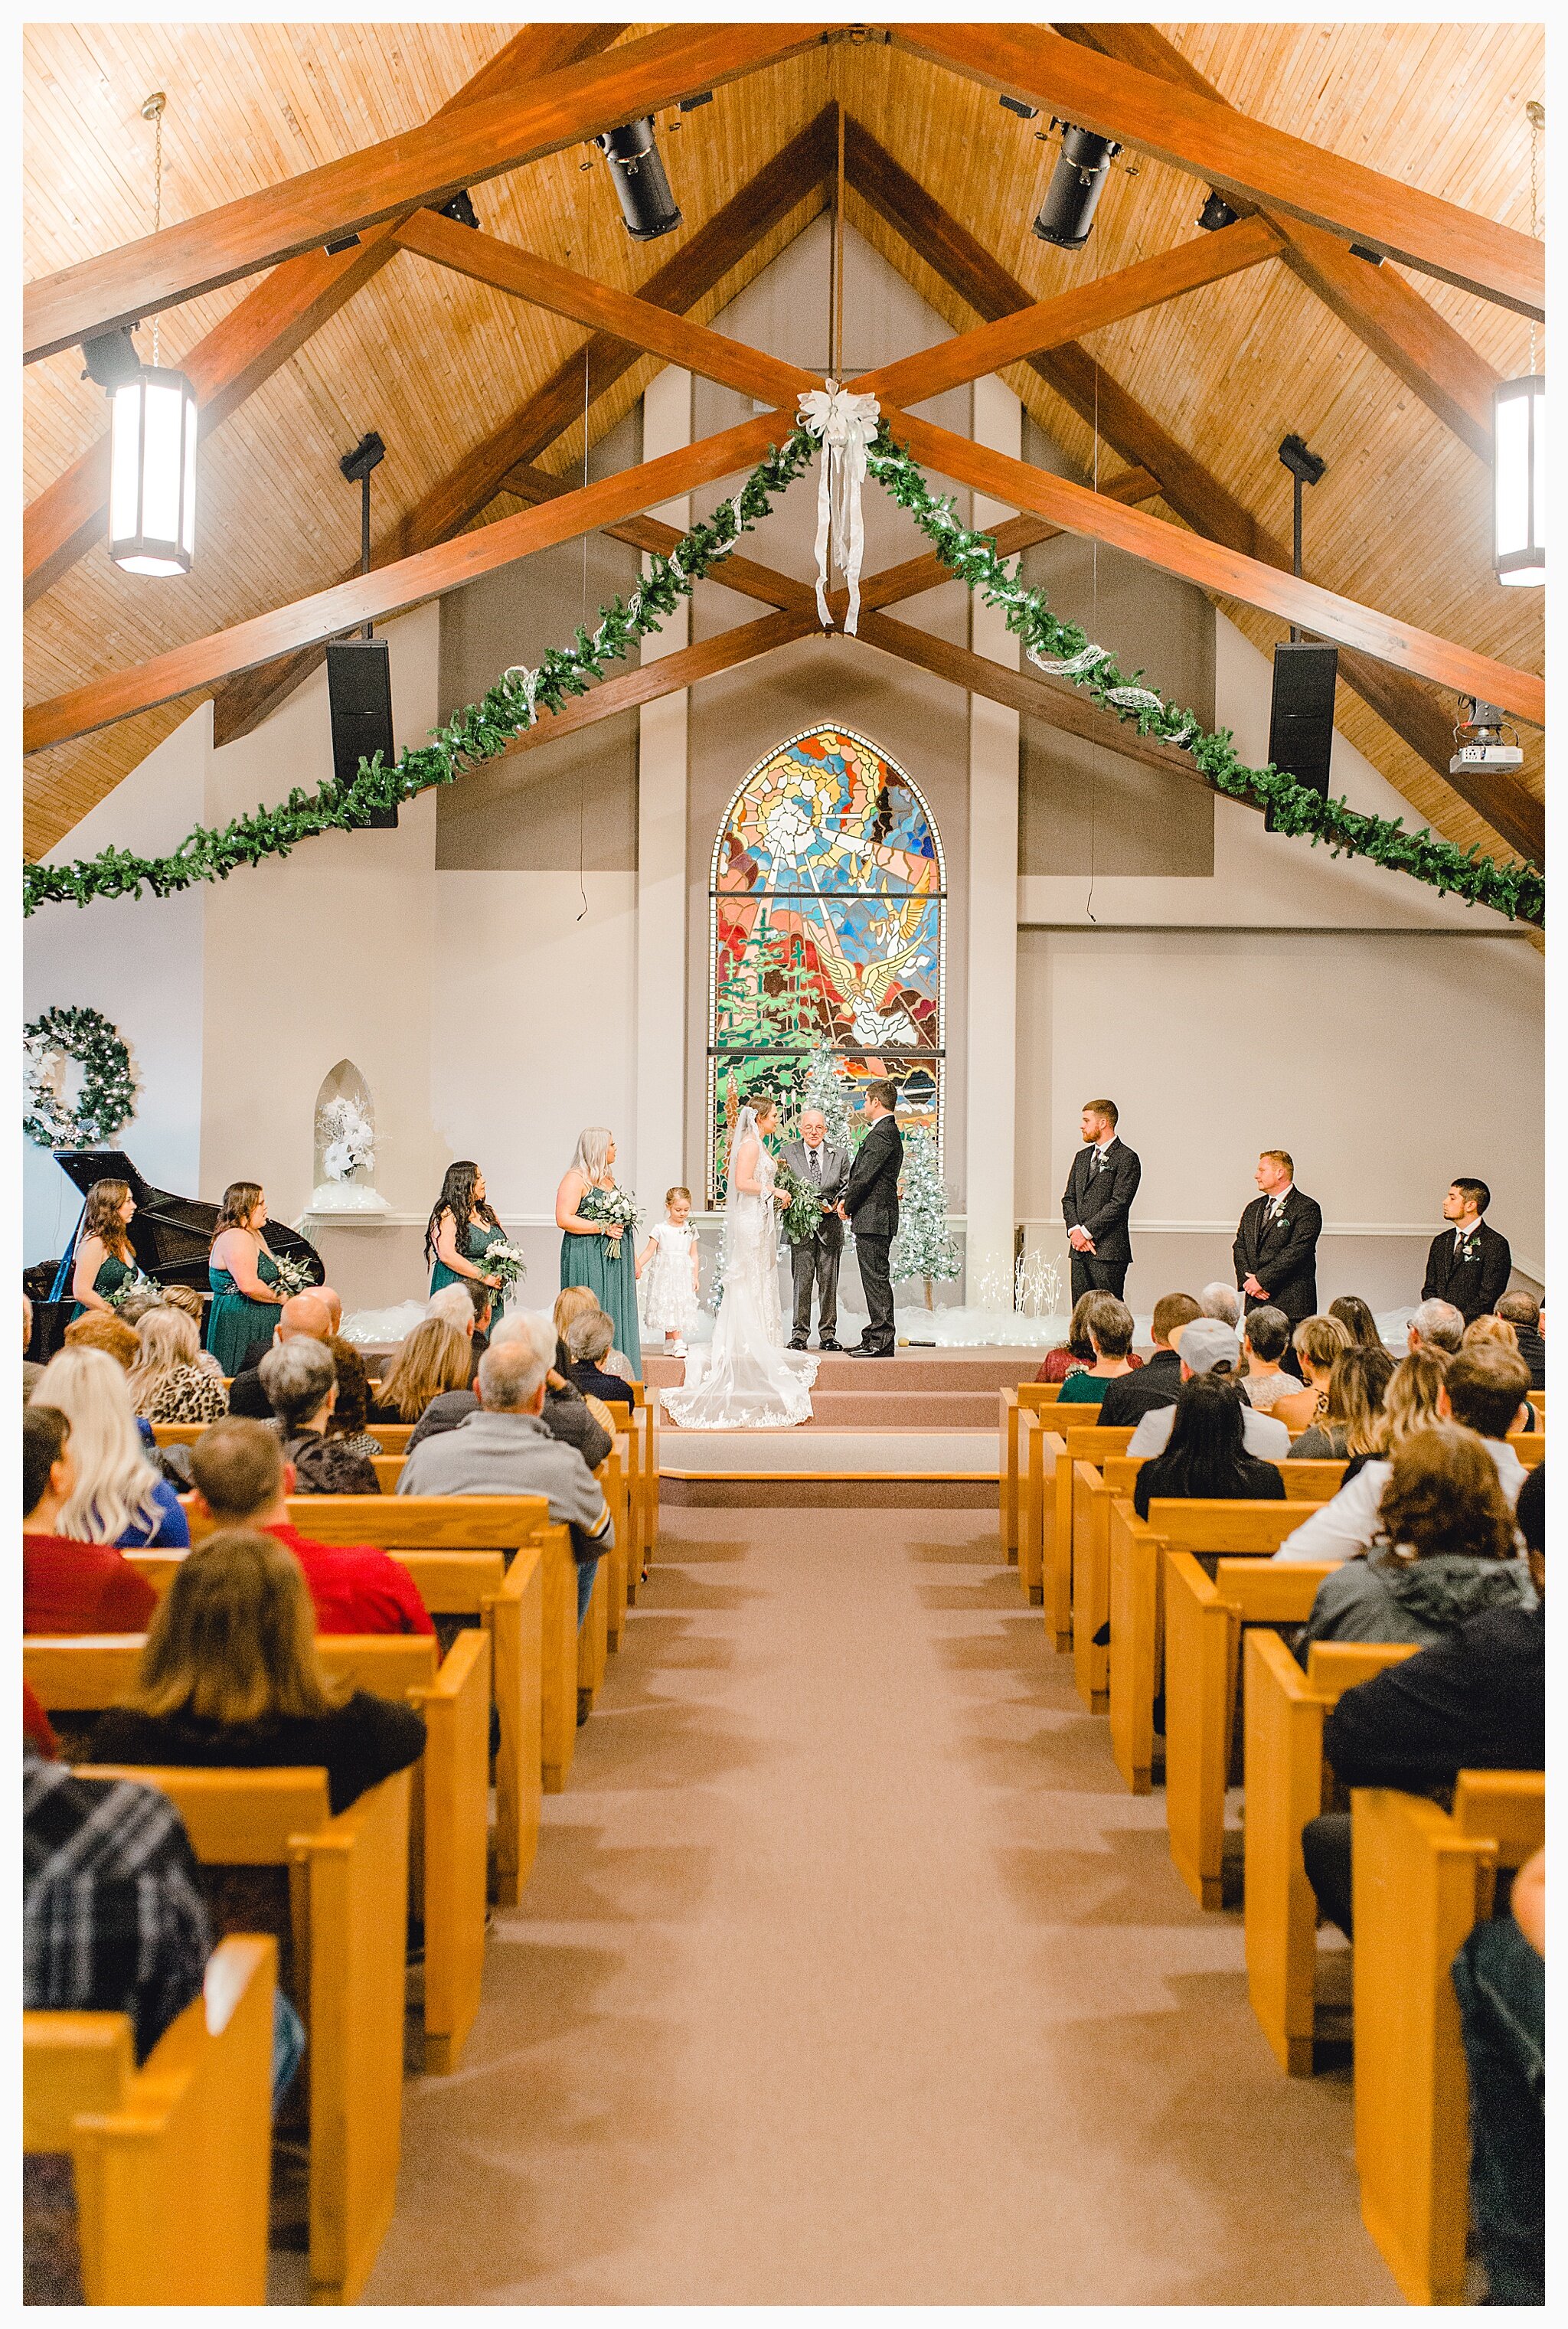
x: 1209, y: 1347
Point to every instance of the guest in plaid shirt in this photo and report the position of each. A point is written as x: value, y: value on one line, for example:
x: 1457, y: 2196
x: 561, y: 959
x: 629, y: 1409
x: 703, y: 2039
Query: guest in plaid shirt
x: 113, y: 1919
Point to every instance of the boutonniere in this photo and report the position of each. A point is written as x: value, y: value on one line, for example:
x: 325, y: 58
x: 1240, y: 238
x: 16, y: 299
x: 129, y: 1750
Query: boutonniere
x: 1469, y: 1249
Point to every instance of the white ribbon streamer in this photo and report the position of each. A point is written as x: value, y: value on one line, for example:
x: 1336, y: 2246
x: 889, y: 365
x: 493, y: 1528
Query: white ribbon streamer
x: 846, y: 425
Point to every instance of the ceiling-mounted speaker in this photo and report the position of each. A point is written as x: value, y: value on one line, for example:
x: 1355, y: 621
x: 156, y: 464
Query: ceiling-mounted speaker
x: 1301, y: 723
x: 359, y: 692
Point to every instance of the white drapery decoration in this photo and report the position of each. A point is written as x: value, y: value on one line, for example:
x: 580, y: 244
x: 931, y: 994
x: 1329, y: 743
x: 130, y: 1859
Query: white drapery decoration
x: 845, y: 426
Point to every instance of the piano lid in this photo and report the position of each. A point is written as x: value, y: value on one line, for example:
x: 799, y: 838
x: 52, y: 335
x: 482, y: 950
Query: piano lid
x: 170, y: 1234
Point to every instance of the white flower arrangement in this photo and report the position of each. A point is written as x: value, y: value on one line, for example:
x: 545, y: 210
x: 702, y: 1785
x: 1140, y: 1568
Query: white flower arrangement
x: 347, y: 1137
x: 503, y: 1260
x: 615, y: 1208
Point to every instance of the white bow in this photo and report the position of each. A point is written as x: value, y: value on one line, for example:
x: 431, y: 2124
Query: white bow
x: 846, y: 425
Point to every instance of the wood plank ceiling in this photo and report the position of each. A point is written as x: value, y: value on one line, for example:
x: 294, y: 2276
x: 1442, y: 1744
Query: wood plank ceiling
x: 437, y: 362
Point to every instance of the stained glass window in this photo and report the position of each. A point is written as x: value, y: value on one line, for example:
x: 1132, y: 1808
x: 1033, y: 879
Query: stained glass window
x: 828, y: 915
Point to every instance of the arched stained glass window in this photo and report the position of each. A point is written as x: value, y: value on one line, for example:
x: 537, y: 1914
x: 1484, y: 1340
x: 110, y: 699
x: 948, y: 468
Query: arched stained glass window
x: 827, y: 919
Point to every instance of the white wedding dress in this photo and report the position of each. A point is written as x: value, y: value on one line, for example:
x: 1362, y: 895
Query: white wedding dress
x: 746, y: 1380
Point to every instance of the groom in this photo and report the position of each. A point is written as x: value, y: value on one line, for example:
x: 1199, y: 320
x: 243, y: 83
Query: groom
x: 870, y: 1204
x: 814, y: 1260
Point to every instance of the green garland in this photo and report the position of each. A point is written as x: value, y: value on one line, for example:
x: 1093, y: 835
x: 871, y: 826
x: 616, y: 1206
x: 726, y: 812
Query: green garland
x: 109, y: 1094
x: 511, y: 706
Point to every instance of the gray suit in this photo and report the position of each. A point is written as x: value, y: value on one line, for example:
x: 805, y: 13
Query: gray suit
x: 814, y: 1261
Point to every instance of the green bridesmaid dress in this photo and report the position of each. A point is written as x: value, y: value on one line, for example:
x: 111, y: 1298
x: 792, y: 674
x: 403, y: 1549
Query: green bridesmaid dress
x: 234, y: 1322
x: 476, y: 1243
x: 587, y: 1261
x: 112, y: 1274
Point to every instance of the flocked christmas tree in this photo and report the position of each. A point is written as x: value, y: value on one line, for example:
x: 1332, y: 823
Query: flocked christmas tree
x: 823, y: 1086
x: 923, y: 1247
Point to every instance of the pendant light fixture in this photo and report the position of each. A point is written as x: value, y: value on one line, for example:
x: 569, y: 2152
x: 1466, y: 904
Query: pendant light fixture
x: 1519, y: 439
x: 152, y: 488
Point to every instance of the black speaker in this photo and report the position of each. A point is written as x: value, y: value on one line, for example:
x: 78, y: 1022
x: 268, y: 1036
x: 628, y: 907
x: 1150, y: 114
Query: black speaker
x: 1301, y: 725
x: 359, y: 692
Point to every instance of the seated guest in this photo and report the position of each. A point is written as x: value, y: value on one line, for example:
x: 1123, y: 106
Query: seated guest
x: 105, y: 1331
x: 588, y: 1340
x: 351, y: 1412
x: 230, y: 1678
x: 566, y: 1414
x: 1209, y: 1348
x: 31, y: 1369
x: 505, y: 1450
x: 1410, y: 1403
x: 1444, y: 1552
x: 37, y: 1730
x: 167, y: 1385
x: 1436, y: 1325
x: 300, y: 1381
x: 117, y: 1497
x: 1077, y: 1351
x: 1354, y: 1315
x: 1109, y: 1324
x: 576, y: 1302
x: 1484, y: 1390
x: 1523, y: 1313
x: 1265, y: 1338
x: 1352, y: 1422
x: 452, y: 1303
x: 242, y: 1482
x: 484, y: 1310
x: 1129, y: 1398
x: 1220, y: 1301
x: 1474, y: 1702
x: 302, y: 1313
x: 1499, y: 1978
x: 68, y: 1587
x: 334, y: 1302
x: 186, y: 1298
x: 1490, y: 1328
x: 433, y: 1359
x: 1206, y: 1455
x: 1316, y: 1342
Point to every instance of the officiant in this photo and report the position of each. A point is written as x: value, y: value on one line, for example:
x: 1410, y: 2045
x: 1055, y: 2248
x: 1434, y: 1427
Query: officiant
x: 814, y: 1262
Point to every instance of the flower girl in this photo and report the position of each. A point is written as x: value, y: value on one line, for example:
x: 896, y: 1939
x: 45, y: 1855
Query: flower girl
x: 670, y: 1296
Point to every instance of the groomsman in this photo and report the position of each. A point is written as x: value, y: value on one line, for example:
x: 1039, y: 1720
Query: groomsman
x: 870, y: 1205
x: 1467, y: 1265
x: 814, y: 1262
x: 1276, y: 1247
x: 1097, y: 1201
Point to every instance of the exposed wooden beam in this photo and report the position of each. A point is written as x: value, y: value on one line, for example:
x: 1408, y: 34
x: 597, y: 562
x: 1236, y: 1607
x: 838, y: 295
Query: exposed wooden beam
x: 1208, y: 259
x: 1238, y: 155
x: 382, y: 181
x: 962, y: 262
x: 691, y: 273
x: 392, y: 590
x: 269, y: 325
x: 1386, y: 313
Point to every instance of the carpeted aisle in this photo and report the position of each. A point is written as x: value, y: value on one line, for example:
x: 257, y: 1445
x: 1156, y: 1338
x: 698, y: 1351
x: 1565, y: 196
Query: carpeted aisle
x: 849, y: 1974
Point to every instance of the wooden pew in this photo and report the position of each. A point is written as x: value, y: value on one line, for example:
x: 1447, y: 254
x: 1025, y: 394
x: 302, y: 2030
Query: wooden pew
x: 348, y: 1880
x: 614, y: 1478
x: 1138, y: 1549
x: 1039, y: 1444
x: 1075, y: 1585
x: 1283, y: 1712
x: 1204, y: 1617
x: 1014, y: 1400
x: 389, y: 1471
x: 514, y: 1618
x: 1421, y: 1879
x: 173, y: 2161
x: 1529, y: 1446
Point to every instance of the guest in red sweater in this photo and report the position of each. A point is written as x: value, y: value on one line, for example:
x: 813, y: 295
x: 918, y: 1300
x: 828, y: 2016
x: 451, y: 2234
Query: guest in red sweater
x: 241, y: 1481
x: 68, y: 1587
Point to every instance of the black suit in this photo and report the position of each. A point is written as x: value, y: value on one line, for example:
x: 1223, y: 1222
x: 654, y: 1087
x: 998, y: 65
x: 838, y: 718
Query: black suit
x: 871, y: 1200
x: 1129, y: 1398
x: 1474, y: 1285
x: 1099, y: 1199
x: 1282, y: 1254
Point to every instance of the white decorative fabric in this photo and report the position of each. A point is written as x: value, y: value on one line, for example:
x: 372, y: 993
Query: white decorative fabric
x: 846, y: 425
x: 747, y: 1380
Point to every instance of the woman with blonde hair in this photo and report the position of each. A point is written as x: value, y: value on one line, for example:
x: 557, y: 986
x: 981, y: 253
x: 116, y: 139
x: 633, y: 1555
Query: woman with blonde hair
x: 186, y: 1298
x: 1352, y: 1424
x: 230, y: 1677
x: 435, y: 1357
x: 1410, y: 1404
x: 117, y: 1498
x: 1316, y: 1342
x: 167, y: 1385
x: 105, y: 1263
x: 574, y: 1302
x: 594, y: 1253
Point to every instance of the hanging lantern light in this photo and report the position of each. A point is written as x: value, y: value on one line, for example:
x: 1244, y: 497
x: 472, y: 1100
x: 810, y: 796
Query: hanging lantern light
x: 1519, y: 440
x: 152, y: 486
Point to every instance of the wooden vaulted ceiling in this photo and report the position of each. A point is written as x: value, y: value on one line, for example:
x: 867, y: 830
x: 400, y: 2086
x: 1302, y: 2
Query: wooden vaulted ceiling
x: 464, y: 383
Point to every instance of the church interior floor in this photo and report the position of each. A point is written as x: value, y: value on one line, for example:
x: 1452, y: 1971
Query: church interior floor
x: 849, y: 1974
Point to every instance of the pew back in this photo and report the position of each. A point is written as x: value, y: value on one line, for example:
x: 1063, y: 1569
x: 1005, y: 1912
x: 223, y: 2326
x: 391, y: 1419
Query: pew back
x: 514, y: 1615
x: 1081, y: 1579
x: 455, y: 1706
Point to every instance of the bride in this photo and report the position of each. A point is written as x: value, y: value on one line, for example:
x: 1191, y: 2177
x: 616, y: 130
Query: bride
x: 747, y: 1380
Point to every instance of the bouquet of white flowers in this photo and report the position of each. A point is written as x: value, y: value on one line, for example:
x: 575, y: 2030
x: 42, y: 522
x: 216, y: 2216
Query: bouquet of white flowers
x: 293, y: 1276
x: 613, y: 1207
x: 504, y: 1262
x: 348, y: 1139
x: 134, y: 1284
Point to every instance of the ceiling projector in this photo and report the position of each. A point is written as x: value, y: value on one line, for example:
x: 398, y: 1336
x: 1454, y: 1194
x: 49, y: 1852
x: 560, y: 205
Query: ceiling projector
x: 1478, y: 740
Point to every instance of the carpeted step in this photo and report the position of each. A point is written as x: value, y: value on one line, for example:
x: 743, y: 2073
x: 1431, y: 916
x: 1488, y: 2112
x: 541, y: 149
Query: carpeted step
x: 974, y: 1371
x: 896, y: 1405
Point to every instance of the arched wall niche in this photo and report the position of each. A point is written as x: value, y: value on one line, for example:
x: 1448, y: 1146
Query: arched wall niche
x: 345, y: 1145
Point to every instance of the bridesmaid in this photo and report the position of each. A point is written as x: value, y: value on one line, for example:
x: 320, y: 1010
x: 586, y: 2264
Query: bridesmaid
x: 612, y: 1275
x: 104, y: 1259
x: 244, y: 1277
x: 461, y: 1227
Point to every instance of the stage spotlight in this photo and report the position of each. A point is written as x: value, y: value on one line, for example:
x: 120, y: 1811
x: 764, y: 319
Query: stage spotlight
x: 648, y: 207
x: 459, y: 209
x: 111, y: 359
x: 1077, y: 181
x: 1215, y: 214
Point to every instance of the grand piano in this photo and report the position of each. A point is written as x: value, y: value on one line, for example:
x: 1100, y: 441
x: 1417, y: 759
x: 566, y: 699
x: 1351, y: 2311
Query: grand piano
x: 170, y: 1236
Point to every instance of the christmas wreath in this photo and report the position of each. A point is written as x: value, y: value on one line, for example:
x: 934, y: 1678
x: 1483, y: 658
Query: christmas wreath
x: 108, y: 1097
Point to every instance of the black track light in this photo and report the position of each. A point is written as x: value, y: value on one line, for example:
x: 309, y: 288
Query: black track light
x: 343, y: 242
x: 1077, y: 181
x: 648, y: 207
x: 1016, y: 105
x: 459, y: 209
x: 1215, y: 214
x: 112, y: 360
x: 1360, y: 250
